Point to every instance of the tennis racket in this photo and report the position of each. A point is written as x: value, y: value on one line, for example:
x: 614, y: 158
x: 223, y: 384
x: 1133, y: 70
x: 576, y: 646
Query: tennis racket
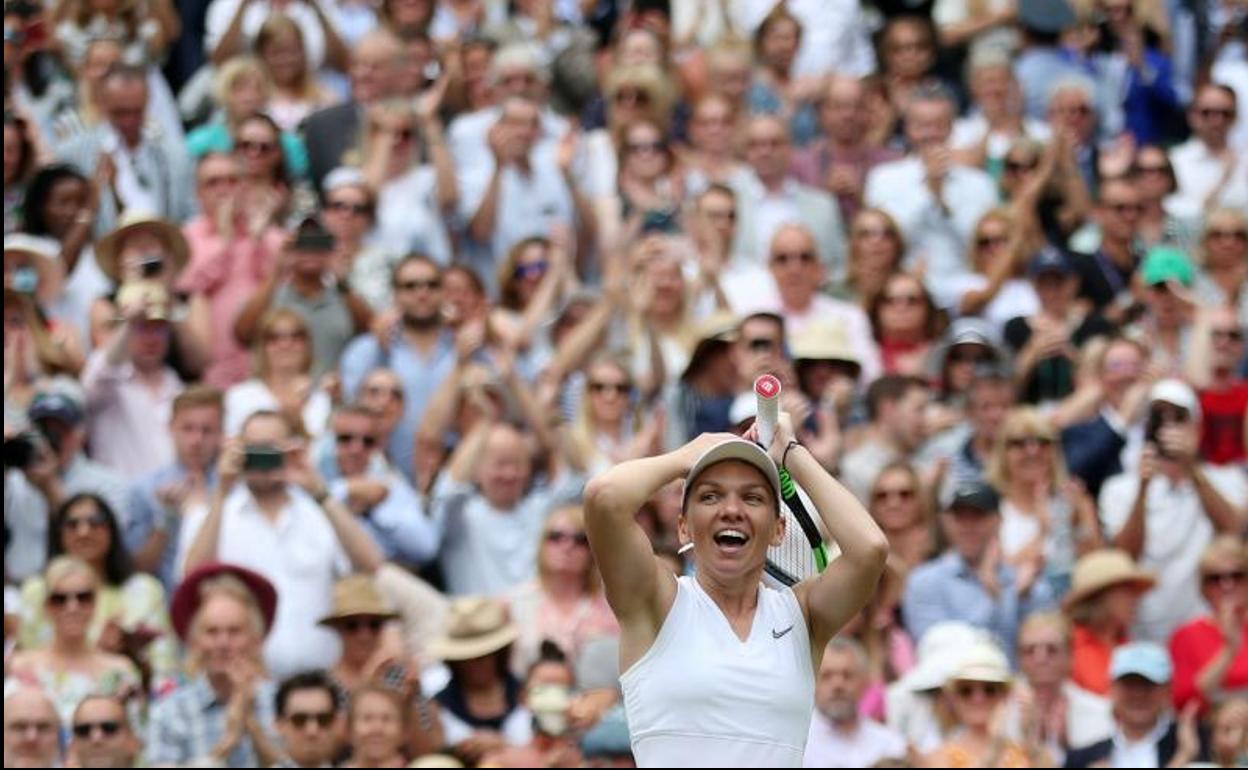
x: 802, y: 553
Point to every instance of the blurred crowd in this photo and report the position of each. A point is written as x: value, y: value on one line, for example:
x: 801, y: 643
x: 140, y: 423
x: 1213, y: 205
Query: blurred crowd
x: 319, y: 314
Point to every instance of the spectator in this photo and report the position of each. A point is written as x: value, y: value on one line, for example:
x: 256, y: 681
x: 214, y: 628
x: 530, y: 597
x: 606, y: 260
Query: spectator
x: 1224, y: 397
x: 648, y: 184
x: 102, y: 734
x: 839, y: 737
x: 903, y: 509
x: 1210, y: 173
x: 1042, y: 62
x: 282, y: 383
x: 158, y: 499
x: 906, y: 48
x: 360, y: 616
x: 906, y: 324
x: 968, y: 344
x: 224, y: 713
x: 1135, y: 64
x: 1227, y: 734
x: 609, y: 428
x: 1106, y: 275
x: 71, y: 666
x: 895, y: 405
x: 1222, y: 278
x: 1144, y: 734
x: 386, y: 505
x: 535, y: 277
x: 1105, y: 591
x: 268, y: 191
x: 1155, y: 177
x: 934, y: 200
x: 31, y: 729
x: 995, y: 122
x: 57, y: 470
x: 375, y: 719
x: 827, y: 372
x: 231, y: 27
x: 996, y: 289
x: 284, y: 509
x: 711, y: 158
x: 129, y: 387
x: 988, y: 399
x: 971, y: 581
x: 282, y: 46
x: 382, y: 393
x: 876, y: 249
x: 1168, y: 511
x: 349, y: 211
x: 1072, y: 114
x: 564, y: 604
x: 1167, y: 274
x: 1210, y: 659
x: 775, y: 89
x: 308, y: 719
x: 770, y: 198
x: 19, y: 167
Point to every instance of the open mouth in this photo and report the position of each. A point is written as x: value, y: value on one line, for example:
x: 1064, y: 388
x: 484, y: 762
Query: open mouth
x: 731, y: 540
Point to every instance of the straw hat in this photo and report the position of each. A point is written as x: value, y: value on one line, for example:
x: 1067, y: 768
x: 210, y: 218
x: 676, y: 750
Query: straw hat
x: 823, y: 342
x: 982, y: 662
x: 718, y: 328
x: 475, y: 627
x: 1103, y: 569
x: 357, y: 596
x: 436, y: 760
x: 107, y: 251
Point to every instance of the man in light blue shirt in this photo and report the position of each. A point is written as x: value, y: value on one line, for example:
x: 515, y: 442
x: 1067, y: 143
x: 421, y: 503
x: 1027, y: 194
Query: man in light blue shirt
x: 972, y: 582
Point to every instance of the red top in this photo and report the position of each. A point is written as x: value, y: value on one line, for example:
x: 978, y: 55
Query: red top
x: 1191, y: 649
x: 1089, y: 657
x: 1222, y: 424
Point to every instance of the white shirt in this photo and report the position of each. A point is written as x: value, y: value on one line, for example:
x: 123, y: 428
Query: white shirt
x: 1176, y: 531
x: 701, y: 697
x: 134, y: 180
x: 1198, y: 171
x: 251, y: 396
x: 299, y: 554
x: 828, y: 746
x: 968, y: 132
x: 409, y: 217
x: 1233, y: 72
x: 1141, y: 753
x: 221, y: 13
x: 938, y: 240
x: 835, y: 35
x: 1016, y: 297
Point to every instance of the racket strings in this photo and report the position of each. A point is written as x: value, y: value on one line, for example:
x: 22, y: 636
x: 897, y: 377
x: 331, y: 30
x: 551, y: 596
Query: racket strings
x: 793, y: 555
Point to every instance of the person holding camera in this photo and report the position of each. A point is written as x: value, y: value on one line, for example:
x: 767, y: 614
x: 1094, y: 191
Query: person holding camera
x: 44, y: 466
x: 1166, y: 512
x: 272, y: 513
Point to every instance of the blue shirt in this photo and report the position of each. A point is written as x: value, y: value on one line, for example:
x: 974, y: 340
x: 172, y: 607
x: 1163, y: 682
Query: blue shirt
x: 146, y: 513
x: 1037, y: 70
x: 188, y: 723
x: 420, y: 374
x: 947, y: 588
x: 400, y: 525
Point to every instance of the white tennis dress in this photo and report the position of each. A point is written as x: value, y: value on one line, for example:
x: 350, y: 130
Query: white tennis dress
x: 700, y: 697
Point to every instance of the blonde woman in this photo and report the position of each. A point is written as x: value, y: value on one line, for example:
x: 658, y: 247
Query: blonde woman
x: 632, y: 92
x: 282, y: 381
x: 1048, y: 520
x: 282, y: 49
x: 608, y: 428
x: 71, y: 666
x: 903, y: 509
x: 997, y: 289
x: 1223, y: 275
x: 661, y: 323
x: 876, y: 247
x: 565, y: 603
x: 534, y: 279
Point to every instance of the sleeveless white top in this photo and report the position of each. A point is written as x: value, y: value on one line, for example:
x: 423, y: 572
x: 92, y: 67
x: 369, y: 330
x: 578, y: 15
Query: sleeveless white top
x: 701, y: 697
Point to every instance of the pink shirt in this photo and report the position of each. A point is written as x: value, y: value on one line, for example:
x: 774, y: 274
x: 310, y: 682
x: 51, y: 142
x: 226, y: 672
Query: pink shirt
x: 127, y: 420
x: 539, y: 619
x: 227, y: 273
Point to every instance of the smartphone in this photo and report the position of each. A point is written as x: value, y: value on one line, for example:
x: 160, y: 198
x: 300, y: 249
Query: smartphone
x: 314, y: 240
x: 261, y: 457
x: 656, y: 221
x: 150, y: 265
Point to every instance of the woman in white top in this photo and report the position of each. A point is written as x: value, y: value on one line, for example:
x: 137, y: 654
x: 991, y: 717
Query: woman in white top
x: 718, y: 667
x: 281, y: 382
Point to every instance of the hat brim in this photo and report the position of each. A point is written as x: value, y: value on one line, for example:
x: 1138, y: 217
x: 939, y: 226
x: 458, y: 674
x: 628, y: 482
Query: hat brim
x: 108, y: 248
x: 452, y: 649
x: 735, y: 449
x: 990, y: 674
x: 1139, y: 578
x: 330, y: 620
x: 186, y: 598
x: 50, y: 270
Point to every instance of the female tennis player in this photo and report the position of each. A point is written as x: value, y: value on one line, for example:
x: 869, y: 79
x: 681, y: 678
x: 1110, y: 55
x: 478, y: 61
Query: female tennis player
x: 719, y: 668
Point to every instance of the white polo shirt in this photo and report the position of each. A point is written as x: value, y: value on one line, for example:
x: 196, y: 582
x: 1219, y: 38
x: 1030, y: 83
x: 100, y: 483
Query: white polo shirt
x: 300, y: 554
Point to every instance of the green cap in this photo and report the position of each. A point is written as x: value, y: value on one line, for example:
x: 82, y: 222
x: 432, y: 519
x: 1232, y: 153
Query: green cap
x: 1166, y: 263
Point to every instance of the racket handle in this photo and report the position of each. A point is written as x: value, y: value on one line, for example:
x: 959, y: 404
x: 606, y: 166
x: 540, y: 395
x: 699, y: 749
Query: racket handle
x: 767, y: 391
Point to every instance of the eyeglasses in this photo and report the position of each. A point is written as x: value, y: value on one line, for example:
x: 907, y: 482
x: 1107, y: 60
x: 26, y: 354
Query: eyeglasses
x: 1236, y: 235
x: 1019, y: 442
x: 1227, y: 579
x: 403, y: 134
x: 352, y: 625
x: 63, y: 598
x: 635, y: 95
x: 288, y: 336
x: 621, y: 388
x: 913, y: 300
x: 432, y: 284
x: 904, y: 495
x: 1124, y: 209
x: 381, y: 390
x: 761, y: 345
x: 358, y: 209
x: 1017, y: 167
x: 21, y: 727
x: 348, y: 438
x: 988, y: 241
x: 531, y: 270
x: 94, y: 521
x: 301, y: 719
x: 646, y: 146
x: 969, y: 689
x: 784, y: 258
x: 558, y: 536
x: 1215, y: 112
x: 1230, y: 335
x: 108, y: 728
x: 247, y: 145
x: 873, y: 232
x: 1049, y: 648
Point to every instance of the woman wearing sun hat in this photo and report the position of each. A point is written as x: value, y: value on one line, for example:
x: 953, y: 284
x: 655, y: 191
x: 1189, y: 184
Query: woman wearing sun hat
x: 1105, y: 590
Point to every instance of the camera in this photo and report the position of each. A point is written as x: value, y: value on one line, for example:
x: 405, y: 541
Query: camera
x: 150, y: 265
x: 19, y: 451
x: 262, y: 457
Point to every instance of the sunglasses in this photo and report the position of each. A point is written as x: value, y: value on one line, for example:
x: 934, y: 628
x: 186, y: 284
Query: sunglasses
x: 1231, y: 335
x: 1049, y: 648
x: 295, y: 336
x: 784, y: 258
x: 988, y: 241
x: 1237, y: 235
x: 1152, y: 169
x: 873, y: 232
x: 94, y: 521
x: 632, y: 95
x: 349, y: 438
x: 969, y: 689
x: 761, y: 345
x: 301, y: 719
x: 247, y: 145
x: 557, y: 536
x: 646, y: 146
x: 621, y: 388
x: 1215, y: 112
x: 1223, y: 578
x: 531, y: 270
x: 63, y: 598
x: 1017, y: 167
x: 108, y: 728
x: 1018, y: 442
x: 359, y: 209
x: 903, y: 495
x: 974, y: 355
x: 433, y: 284
x: 1123, y: 209
x: 381, y: 390
x: 219, y: 181
x: 352, y: 625
x: 403, y: 134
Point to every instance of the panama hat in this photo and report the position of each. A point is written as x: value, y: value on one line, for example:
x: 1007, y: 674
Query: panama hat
x: 108, y: 250
x: 475, y: 627
x: 1103, y: 569
x: 357, y: 596
x: 983, y: 662
x: 823, y: 342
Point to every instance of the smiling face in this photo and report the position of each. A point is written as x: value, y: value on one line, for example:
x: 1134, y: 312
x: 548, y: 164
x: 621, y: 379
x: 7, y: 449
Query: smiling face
x: 730, y: 518
x: 376, y: 727
x: 85, y: 532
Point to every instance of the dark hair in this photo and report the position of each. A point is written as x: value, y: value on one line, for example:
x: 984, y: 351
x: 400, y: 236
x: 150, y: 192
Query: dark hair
x: 473, y: 277
x: 40, y: 190
x: 280, y: 172
x: 778, y: 15
x: 27, y: 145
x: 117, y: 566
x: 548, y: 652
x: 306, y: 680
x: 420, y: 259
x: 890, y: 387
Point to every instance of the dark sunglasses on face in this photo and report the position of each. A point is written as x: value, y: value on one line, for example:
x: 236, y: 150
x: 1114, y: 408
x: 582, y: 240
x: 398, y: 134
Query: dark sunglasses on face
x: 1231, y: 335
x: 301, y: 719
x: 1233, y: 577
x: 622, y: 388
x: 432, y: 284
x: 108, y: 728
x: 761, y: 345
x: 968, y: 689
x: 557, y: 537
x: 903, y: 495
x: 1018, y: 442
x: 988, y: 241
x: 784, y: 258
x: 349, y: 438
x: 1018, y: 167
x: 1049, y: 648
x: 219, y: 181
x: 531, y: 270
x: 1236, y: 235
x: 1215, y: 112
x: 1159, y: 169
x: 63, y: 598
x: 352, y: 625
x: 94, y: 521
x: 279, y: 336
x: 632, y: 95
x: 359, y: 209
x: 1124, y: 209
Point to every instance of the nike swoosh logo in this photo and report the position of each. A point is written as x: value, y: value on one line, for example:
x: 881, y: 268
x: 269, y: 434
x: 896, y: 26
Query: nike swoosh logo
x: 777, y: 634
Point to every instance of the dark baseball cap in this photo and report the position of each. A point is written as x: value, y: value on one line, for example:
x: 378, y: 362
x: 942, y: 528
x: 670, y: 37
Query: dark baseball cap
x: 1048, y: 17
x: 56, y: 405
x: 1050, y: 260
x: 976, y: 495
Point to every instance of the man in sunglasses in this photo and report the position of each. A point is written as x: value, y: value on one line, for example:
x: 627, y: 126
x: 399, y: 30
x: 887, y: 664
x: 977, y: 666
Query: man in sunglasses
x: 307, y: 712
x: 385, y: 503
x: 1224, y: 397
x: 1210, y: 173
x: 102, y: 736
x: 1105, y: 274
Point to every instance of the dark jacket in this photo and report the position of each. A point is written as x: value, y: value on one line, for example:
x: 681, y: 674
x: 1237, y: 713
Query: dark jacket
x: 1099, y: 752
x: 328, y: 134
x: 1092, y: 452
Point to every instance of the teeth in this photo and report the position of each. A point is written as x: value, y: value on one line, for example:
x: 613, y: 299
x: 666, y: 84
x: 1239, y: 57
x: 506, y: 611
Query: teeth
x: 734, y: 535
